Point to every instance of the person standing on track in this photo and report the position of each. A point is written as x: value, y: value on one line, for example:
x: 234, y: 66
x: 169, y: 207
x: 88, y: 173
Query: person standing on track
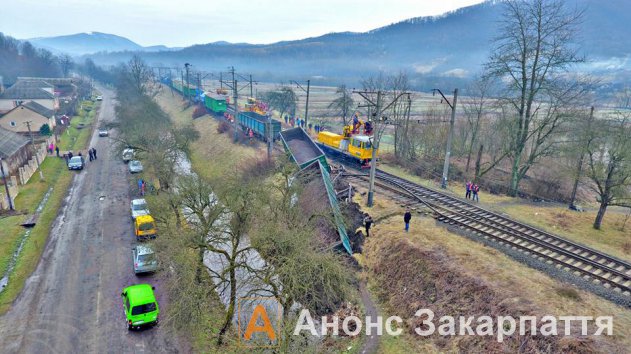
x: 406, y: 218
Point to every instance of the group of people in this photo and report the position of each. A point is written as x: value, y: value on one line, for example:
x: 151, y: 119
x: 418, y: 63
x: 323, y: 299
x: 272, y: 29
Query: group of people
x: 67, y: 156
x: 301, y: 123
x: 142, y: 187
x: 407, y: 217
x: 52, y: 148
x: 472, y: 191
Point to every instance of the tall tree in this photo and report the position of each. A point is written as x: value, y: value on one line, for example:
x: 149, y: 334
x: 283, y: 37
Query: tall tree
x: 343, y: 103
x: 609, y: 163
x: 284, y: 100
x: 474, y: 109
x: 531, y: 53
x: 65, y: 63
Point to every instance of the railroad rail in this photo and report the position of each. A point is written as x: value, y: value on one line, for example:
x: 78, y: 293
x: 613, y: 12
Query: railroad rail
x: 608, y: 271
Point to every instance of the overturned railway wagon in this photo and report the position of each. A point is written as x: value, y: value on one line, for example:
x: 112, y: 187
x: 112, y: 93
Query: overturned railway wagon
x: 302, y: 149
x: 310, y: 158
x: 259, y: 125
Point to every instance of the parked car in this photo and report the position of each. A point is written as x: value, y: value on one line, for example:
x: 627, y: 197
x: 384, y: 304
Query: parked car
x: 128, y: 154
x: 140, y: 305
x: 145, y: 227
x: 75, y: 163
x: 135, y: 166
x: 139, y: 208
x: 99, y: 98
x: 144, y: 259
x: 103, y: 132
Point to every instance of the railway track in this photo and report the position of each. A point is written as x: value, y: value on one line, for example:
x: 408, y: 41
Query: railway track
x: 596, y: 267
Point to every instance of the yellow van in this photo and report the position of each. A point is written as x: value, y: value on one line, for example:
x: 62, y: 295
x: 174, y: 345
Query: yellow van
x: 145, y: 227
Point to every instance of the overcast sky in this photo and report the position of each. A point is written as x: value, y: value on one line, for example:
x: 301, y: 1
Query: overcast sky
x: 187, y: 22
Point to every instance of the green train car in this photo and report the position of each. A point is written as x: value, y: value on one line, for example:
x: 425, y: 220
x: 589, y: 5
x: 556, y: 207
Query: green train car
x: 215, y: 103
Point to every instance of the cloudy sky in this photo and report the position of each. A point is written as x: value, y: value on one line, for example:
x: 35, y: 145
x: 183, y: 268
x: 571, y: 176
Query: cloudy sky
x: 187, y: 22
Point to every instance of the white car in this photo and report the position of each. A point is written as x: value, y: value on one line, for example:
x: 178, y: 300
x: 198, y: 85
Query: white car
x: 128, y: 154
x: 99, y: 98
x: 135, y: 166
x: 144, y: 259
x: 103, y: 132
x: 138, y: 208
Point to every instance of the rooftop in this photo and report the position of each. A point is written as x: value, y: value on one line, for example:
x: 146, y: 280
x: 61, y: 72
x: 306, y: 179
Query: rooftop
x: 10, y: 143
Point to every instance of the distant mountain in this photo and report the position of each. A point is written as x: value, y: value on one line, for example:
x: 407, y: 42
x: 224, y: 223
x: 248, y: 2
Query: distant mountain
x: 447, y: 48
x: 93, y: 42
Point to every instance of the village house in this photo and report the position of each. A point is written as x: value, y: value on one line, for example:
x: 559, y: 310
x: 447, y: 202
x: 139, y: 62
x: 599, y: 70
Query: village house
x: 16, y: 119
x: 14, y: 151
x: 35, y: 90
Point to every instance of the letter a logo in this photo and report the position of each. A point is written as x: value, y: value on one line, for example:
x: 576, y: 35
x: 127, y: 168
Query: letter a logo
x: 259, y: 312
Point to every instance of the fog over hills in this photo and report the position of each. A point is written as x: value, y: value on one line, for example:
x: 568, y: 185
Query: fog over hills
x: 448, y: 48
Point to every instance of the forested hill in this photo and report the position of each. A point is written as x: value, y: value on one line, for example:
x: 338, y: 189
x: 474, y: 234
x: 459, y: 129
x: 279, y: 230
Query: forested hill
x: 23, y: 59
x: 448, y: 47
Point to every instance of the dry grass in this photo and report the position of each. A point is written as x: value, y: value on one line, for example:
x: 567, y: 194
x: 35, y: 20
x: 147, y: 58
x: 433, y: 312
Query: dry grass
x: 555, y: 218
x: 213, y: 154
x: 578, y: 226
x: 502, y: 274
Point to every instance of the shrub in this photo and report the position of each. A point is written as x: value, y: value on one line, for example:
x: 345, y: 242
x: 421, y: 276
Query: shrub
x: 199, y: 111
x: 223, y: 127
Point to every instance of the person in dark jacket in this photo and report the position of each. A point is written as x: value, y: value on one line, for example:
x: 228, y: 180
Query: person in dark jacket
x: 407, y: 217
x: 57, y: 150
x: 94, y: 153
x: 90, y: 153
x: 367, y: 224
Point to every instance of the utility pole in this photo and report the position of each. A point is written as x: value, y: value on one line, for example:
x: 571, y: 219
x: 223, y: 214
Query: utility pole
x: 579, y: 168
x: 6, y: 186
x: 28, y: 125
x: 377, y: 130
x: 251, y: 91
x: 373, y: 158
x: 270, y: 137
x: 187, y: 83
x: 220, y: 80
x: 450, y: 137
x: 199, y: 82
x: 307, y: 102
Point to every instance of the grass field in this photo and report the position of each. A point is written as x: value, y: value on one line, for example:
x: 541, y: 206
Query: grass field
x: 551, y: 217
x: 504, y: 274
x: 57, y: 176
x: 213, y: 154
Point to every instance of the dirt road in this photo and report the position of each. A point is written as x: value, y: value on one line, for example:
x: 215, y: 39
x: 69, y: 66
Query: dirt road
x: 72, y: 303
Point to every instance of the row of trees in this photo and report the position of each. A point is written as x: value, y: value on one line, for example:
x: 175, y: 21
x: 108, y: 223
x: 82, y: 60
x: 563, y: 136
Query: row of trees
x: 19, y: 58
x: 242, y: 220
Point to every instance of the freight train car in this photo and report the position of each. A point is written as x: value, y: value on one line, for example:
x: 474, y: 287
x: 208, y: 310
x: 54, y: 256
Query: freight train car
x: 259, y: 123
x: 215, y: 103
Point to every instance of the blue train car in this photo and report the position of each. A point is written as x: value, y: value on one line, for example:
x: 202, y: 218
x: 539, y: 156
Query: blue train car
x: 258, y: 123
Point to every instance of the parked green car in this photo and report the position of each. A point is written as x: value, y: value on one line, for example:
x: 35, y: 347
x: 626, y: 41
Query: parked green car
x: 141, y: 307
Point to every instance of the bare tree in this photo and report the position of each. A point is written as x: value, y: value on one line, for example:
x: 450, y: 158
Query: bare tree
x: 474, y: 110
x: 533, y: 50
x: 609, y: 163
x: 343, y: 104
x: 65, y: 64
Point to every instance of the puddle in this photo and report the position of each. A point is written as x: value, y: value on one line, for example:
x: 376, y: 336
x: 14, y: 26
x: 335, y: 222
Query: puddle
x: 4, y: 281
